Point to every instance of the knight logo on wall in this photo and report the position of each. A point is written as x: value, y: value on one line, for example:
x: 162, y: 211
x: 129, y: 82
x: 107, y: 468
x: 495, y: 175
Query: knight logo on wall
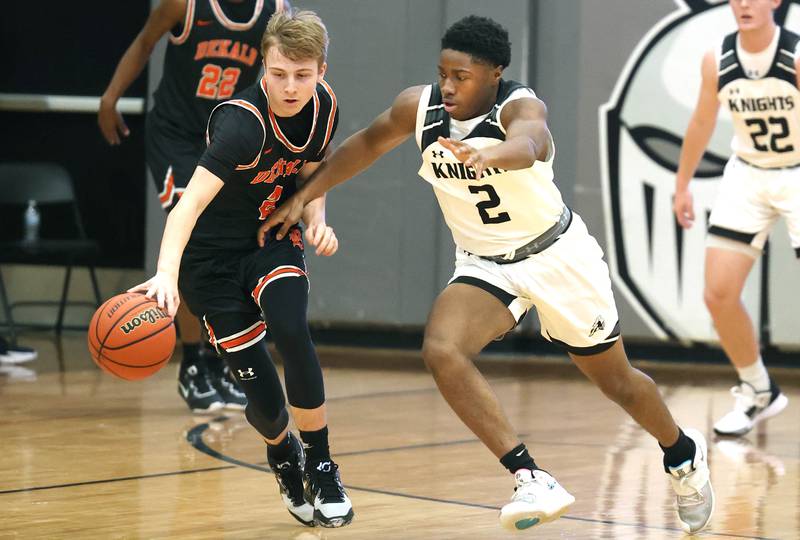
x: 657, y: 265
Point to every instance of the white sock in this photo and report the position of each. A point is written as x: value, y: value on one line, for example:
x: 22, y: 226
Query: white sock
x: 755, y: 375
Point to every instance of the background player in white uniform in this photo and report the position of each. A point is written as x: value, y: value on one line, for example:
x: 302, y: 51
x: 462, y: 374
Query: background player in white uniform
x: 518, y: 246
x: 754, y: 73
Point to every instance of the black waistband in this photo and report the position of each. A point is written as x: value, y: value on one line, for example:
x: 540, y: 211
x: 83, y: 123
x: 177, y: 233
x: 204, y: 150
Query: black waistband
x: 538, y: 244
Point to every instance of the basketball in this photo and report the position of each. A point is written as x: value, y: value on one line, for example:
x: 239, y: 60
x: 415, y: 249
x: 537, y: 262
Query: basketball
x: 131, y: 337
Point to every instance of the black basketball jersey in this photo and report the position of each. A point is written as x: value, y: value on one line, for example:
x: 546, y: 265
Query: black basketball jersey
x: 253, y: 190
x: 215, y: 56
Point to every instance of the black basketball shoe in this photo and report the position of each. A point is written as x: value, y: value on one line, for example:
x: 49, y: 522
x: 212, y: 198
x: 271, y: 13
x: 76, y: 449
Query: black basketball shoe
x: 196, y: 389
x: 324, y: 489
x: 289, y: 475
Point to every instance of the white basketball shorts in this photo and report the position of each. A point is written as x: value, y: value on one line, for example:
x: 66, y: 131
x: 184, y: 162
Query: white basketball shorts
x: 749, y: 202
x: 568, y: 283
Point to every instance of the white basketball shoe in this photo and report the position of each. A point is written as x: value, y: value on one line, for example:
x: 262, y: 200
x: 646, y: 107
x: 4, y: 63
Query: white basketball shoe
x: 750, y: 408
x: 692, y: 484
x: 538, y: 498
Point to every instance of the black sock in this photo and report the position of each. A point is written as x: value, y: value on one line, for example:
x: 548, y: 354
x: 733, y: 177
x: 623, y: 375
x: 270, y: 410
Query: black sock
x: 316, y: 445
x: 682, y: 451
x: 517, y: 459
x: 280, y: 452
x: 191, y: 354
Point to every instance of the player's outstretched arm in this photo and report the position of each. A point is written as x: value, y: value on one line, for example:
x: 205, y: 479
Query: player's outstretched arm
x: 701, y: 127
x: 318, y: 233
x: 167, y: 15
x: 202, y: 188
x: 356, y: 153
x: 527, y: 140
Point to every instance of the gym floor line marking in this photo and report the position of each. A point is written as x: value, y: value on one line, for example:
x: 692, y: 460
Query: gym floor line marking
x: 195, y: 438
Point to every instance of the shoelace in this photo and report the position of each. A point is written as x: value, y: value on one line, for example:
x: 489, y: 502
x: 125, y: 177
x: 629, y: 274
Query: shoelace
x: 691, y: 499
x: 293, y: 489
x: 329, y: 487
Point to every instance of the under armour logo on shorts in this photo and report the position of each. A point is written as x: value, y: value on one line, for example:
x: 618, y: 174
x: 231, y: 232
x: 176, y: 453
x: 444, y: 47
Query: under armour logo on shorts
x: 246, y: 374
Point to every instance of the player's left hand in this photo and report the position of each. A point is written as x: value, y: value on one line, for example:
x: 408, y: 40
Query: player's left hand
x: 323, y: 237
x: 466, y: 154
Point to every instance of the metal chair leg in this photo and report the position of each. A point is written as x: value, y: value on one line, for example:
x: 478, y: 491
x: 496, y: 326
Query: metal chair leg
x: 95, y: 286
x: 7, y: 311
x: 62, y: 306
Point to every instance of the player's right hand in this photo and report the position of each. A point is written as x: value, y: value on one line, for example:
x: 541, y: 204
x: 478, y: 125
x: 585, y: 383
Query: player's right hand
x: 286, y: 214
x: 683, y: 206
x: 164, y: 289
x: 112, y: 126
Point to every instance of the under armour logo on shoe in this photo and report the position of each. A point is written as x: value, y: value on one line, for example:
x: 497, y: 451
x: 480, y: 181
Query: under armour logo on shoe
x: 324, y: 466
x: 599, y: 324
x: 247, y: 374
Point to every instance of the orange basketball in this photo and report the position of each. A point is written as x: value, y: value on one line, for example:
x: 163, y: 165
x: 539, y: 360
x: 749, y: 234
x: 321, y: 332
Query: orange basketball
x: 131, y: 337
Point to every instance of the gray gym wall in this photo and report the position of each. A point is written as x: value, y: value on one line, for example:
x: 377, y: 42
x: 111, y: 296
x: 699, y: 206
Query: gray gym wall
x: 395, y: 252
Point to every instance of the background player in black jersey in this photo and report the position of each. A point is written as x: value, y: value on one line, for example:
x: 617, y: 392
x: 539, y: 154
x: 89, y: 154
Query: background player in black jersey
x: 759, y: 185
x: 213, y: 52
x: 562, y: 274
x: 261, y: 143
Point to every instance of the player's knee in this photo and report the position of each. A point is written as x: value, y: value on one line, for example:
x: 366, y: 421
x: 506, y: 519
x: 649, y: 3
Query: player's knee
x: 717, y: 298
x: 288, y: 330
x: 268, y: 421
x: 440, y: 354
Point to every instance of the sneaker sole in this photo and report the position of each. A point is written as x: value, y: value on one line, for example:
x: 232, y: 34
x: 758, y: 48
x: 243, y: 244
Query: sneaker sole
x: 774, y: 408
x: 234, y: 406
x: 526, y: 520
x: 334, y: 522
x: 214, y: 407
x: 311, y: 523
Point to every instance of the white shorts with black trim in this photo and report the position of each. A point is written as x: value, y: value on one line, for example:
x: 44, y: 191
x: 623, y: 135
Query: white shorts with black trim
x: 568, y: 283
x: 749, y: 202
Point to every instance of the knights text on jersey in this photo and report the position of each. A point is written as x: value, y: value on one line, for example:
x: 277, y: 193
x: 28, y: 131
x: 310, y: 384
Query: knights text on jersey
x: 254, y: 188
x: 504, y: 209
x: 215, y: 55
x: 765, y: 112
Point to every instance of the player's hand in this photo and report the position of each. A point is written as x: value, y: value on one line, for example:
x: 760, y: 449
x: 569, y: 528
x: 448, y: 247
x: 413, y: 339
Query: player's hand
x: 323, y: 237
x: 287, y: 214
x: 112, y: 126
x: 683, y: 206
x: 466, y: 154
x: 164, y: 289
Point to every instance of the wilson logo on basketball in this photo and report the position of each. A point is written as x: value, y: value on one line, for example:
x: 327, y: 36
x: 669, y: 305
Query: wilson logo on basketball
x: 149, y: 316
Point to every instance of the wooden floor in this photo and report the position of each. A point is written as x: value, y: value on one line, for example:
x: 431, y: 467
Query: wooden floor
x: 87, y: 456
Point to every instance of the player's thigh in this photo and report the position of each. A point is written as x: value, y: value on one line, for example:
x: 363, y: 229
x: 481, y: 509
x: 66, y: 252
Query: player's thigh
x: 570, y: 285
x: 466, y: 317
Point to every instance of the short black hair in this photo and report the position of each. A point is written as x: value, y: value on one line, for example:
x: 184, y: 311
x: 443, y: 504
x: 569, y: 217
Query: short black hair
x: 480, y: 37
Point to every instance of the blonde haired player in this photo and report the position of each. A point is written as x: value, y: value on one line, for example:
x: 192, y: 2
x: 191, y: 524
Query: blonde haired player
x: 261, y: 143
x: 753, y: 73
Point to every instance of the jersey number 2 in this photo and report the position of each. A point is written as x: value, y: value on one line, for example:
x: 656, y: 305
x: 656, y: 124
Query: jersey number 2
x: 217, y: 83
x: 781, y: 132
x: 493, y: 202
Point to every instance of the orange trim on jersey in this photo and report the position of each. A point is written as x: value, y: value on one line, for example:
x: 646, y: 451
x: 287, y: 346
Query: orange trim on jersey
x: 276, y: 128
x: 332, y: 115
x: 231, y: 25
x: 285, y: 271
x: 166, y: 195
x: 212, y: 339
x: 187, y: 25
x: 250, y: 335
x: 253, y: 109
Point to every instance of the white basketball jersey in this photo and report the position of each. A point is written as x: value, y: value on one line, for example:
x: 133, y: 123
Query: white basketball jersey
x: 765, y: 110
x: 501, y: 211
